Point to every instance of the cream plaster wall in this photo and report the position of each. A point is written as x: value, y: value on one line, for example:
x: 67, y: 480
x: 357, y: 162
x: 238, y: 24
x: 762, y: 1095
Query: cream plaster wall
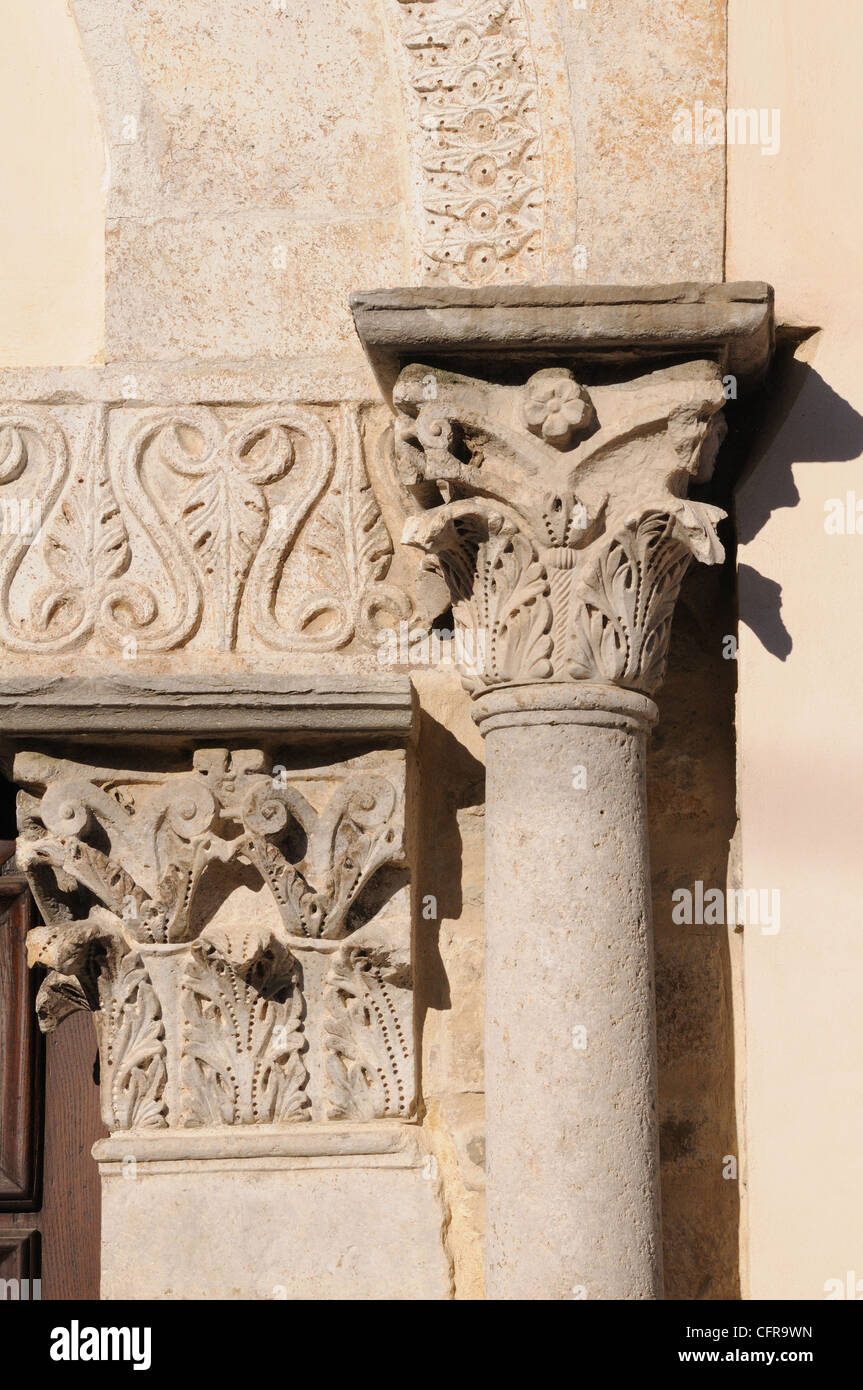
x: 51, y: 172
x: 796, y: 219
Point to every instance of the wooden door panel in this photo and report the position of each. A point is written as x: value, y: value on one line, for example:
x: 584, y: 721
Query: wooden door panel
x: 19, y: 1254
x: 49, y: 1121
x: 21, y: 1054
x: 70, y: 1218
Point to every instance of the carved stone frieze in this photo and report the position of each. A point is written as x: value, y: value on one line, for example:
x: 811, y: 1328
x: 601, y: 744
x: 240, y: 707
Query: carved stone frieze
x: 478, y: 139
x: 138, y: 531
x: 559, y: 516
x: 241, y: 933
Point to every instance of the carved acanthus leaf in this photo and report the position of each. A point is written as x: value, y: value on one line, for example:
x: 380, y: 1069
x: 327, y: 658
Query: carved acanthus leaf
x: 369, y: 1055
x: 131, y: 1047
x: 93, y: 966
x: 242, y: 1034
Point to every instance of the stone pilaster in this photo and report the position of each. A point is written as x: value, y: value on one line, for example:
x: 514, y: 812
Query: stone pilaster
x: 238, y: 920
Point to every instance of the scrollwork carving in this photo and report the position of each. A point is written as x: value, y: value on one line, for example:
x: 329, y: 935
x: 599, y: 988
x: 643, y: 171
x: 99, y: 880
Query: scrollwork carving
x: 351, y: 551
x: 144, y: 530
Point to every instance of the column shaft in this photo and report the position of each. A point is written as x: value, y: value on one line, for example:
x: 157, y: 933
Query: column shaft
x: 573, y: 1169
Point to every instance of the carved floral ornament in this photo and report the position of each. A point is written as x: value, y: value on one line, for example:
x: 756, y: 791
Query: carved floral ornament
x: 478, y: 139
x: 559, y: 517
x: 222, y: 528
x: 246, y: 955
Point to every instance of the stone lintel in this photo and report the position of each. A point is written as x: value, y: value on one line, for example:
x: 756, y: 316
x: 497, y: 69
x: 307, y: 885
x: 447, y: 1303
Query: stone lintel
x: 498, y: 330
x: 313, y: 707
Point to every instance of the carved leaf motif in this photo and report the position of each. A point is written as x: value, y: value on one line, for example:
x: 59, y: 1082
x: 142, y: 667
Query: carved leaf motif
x: 105, y: 878
x: 353, y: 550
x: 624, y: 605
x: 519, y: 614
x: 297, y: 900
x: 225, y: 511
x: 243, y: 1040
x: 87, y: 544
x: 131, y: 1045
x: 357, y: 836
x: 225, y: 517
x: 369, y: 1060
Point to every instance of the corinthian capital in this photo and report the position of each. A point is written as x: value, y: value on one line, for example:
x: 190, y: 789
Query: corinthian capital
x: 559, y: 515
x: 242, y: 936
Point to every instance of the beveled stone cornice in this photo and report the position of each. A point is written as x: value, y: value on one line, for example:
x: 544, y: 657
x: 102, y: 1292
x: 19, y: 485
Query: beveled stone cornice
x: 138, y: 708
x: 492, y: 329
x: 559, y: 517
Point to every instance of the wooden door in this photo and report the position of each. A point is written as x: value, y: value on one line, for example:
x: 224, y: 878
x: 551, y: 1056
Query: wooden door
x: 49, y: 1121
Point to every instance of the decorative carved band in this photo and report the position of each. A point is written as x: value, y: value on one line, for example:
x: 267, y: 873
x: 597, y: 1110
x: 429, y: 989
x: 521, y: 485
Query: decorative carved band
x: 478, y: 139
x: 222, y: 528
x: 559, y: 517
x: 244, y: 946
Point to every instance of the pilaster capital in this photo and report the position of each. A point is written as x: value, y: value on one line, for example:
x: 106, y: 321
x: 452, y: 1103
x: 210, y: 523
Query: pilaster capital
x: 558, y: 515
x: 240, y: 931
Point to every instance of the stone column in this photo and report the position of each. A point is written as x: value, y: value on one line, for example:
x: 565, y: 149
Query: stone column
x: 559, y: 519
x: 573, y: 1165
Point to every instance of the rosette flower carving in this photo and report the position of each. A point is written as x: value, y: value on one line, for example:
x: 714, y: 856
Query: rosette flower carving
x: 556, y: 407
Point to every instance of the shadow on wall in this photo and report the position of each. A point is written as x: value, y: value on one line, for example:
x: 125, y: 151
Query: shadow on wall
x: 803, y: 421
x: 691, y: 791
x: 437, y: 824
x: 691, y: 815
